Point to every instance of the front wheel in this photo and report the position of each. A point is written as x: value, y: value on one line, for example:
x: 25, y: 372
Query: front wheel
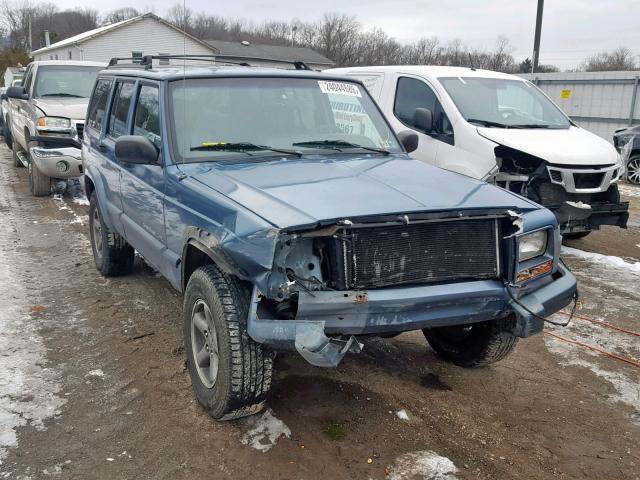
x: 39, y: 183
x: 230, y: 372
x: 473, y: 345
x: 574, y: 235
x: 112, y: 254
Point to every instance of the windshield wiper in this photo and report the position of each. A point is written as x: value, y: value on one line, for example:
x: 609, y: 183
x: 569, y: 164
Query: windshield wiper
x: 489, y: 123
x: 244, y: 147
x: 338, y: 145
x: 61, y: 94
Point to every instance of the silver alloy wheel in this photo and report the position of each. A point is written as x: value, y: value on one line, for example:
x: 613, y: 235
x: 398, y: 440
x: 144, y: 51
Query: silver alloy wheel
x: 204, y: 344
x: 97, y: 233
x: 633, y: 170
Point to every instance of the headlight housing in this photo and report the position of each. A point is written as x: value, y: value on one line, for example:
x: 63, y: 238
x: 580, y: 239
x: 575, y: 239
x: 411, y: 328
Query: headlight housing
x: 532, y: 245
x: 54, y: 124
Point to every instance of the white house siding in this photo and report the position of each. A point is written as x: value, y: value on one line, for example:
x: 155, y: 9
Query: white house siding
x: 598, y: 101
x: 147, y: 35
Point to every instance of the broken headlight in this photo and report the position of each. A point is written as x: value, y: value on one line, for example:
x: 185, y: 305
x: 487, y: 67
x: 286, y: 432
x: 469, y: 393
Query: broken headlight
x: 532, y: 245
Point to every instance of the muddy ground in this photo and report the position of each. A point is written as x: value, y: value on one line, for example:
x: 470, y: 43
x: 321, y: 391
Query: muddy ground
x: 93, y: 383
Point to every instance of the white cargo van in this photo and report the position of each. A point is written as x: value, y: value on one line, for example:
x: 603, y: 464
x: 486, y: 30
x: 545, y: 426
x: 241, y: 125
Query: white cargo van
x: 503, y: 129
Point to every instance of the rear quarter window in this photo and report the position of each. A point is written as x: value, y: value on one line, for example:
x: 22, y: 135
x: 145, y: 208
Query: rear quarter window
x: 98, y: 104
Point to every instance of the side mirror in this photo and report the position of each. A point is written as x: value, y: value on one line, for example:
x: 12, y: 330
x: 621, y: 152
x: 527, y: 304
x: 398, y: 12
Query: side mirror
x: 18, y: 92
x: 136, y: 149
x: 423, y: 119
x: 409, y: 140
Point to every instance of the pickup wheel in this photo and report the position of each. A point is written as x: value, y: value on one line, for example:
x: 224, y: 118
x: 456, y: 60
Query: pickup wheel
x: 574, y: 235
x: 473, y: 345
x: 112, y: 254
x: 230, y: 372
x: 39, y: 183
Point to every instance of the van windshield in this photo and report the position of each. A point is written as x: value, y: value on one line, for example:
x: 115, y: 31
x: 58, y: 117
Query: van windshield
x: 503, y: 103
x: 226, y: 118
x: 65, y: 81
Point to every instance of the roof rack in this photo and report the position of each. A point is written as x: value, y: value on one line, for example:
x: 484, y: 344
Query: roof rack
x: 146, y: 61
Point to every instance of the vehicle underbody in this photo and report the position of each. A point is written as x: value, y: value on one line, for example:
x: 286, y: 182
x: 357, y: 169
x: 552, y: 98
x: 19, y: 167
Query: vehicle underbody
x: 583, y: 198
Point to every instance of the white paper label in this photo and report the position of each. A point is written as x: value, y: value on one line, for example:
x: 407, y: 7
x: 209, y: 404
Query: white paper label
x: 339, y: 88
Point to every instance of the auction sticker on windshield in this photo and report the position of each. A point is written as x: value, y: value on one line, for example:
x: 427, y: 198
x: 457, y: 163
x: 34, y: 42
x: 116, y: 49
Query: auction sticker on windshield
x: 339, y: 88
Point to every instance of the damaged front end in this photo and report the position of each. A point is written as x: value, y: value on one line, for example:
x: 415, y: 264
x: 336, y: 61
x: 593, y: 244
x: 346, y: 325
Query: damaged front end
x: 384, y: 275
x: 583, y: 198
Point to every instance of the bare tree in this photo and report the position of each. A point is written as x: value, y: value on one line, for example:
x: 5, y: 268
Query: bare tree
x: 120, y: 15
x: 620, y: 59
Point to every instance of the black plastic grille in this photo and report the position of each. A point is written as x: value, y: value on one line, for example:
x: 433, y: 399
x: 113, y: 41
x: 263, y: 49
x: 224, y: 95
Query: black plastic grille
x: 80, y: 130
x: 587, y: 180
x: 376, y: 257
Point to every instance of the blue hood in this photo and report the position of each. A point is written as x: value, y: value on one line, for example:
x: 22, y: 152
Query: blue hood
x: 290, y: 192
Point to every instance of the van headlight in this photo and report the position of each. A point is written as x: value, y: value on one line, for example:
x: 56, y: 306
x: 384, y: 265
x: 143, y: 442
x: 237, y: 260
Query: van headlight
x: 54, y: 124
x: 532, y: 245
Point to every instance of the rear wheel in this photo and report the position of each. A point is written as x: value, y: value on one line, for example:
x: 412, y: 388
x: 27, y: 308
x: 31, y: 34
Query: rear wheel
x: 475, y: 344
x: 112, y: 254
x: 633, y: 169
x: 230, y: 372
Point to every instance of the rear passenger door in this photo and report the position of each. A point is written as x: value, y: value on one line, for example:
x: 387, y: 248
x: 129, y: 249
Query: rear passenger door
x: 142, y: 186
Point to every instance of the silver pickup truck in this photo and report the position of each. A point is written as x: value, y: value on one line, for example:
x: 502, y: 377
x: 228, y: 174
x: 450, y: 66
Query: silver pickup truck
x: 46, y: 119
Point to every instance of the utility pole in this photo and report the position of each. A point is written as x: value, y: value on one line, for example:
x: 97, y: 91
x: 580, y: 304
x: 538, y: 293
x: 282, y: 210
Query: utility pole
x: 30, y: 42
x: 293, y: 34
x: 536, y: 40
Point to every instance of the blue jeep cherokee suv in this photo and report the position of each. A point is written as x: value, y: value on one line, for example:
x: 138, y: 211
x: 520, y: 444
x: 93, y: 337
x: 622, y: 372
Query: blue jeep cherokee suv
x: 288, y: 213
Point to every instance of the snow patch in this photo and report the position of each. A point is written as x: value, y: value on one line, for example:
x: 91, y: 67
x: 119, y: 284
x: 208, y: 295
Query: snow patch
x: 96, y: 373
x: 264, y: 430
x: 608, y: 260
x: 423, y: 465
x: 627, y: 388
x: 402, y: 415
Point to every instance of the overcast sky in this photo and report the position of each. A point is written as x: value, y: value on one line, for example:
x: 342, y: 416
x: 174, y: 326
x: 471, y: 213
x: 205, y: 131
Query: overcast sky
x: 572, y: 29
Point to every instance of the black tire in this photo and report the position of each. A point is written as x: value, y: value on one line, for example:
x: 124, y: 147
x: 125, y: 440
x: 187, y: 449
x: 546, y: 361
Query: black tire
x: 112, y: 254
x: 473, y: 345
x: 39, y: 183
x: 6, y: 133
x: 14, y: 154
x: 240, y: 382
x: 574, y: 235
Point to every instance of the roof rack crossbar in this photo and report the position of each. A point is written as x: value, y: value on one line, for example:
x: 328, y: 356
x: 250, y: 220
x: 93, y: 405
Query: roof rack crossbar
x: 146, y: 61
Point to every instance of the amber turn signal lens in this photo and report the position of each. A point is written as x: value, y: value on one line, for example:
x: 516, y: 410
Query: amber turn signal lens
x: 533, y: 272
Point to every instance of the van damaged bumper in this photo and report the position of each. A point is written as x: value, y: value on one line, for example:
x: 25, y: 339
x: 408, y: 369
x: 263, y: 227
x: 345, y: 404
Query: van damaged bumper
x: 328, y: 323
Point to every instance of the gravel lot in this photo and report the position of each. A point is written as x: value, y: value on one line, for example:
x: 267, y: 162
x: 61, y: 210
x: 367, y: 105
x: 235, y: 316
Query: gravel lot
x: 93, y: 384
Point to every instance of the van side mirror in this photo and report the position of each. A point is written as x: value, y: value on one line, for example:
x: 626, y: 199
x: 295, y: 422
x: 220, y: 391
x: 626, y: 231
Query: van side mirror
x: 18, y: 92
x: 409, y: 140
x: 423, y: 119
x: 137, y: 150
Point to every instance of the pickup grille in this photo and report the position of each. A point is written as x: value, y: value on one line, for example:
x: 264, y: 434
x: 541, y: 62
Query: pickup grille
x: 375, y: 257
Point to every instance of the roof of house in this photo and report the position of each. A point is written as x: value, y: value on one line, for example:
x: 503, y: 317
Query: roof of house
x: 269, y: 52
x: 89, y: 34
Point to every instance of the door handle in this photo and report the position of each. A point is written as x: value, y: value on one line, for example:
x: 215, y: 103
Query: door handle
x: 102, y: 147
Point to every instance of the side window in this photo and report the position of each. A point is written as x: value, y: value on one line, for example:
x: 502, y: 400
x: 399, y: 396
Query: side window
x: 412, y: 94
x: 98, y: 105
x: 147, y: 117
x: 120, y: 109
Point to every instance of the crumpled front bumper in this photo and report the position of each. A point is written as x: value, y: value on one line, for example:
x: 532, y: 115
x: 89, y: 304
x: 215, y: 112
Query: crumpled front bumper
x: 48, y: 158
x: 327, y: 322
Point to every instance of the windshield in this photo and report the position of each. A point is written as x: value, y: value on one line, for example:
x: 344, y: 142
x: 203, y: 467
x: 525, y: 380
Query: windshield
x: 214, y: 119
x: 65, y: 81
x: 503, y: 103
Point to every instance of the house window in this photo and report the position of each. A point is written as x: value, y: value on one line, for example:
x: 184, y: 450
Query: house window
x: 56, y: 56
x: 70, y: 55
x: 50, y: 57
x: 137, y: 57
x: 164, y: 61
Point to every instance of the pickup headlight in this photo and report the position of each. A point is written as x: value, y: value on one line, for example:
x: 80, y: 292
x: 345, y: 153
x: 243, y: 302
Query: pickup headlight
x: 532, y: 245
x: 54, y: 124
